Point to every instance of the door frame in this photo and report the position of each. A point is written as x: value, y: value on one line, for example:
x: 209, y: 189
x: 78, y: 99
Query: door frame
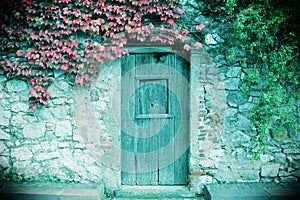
x: 164, y: 49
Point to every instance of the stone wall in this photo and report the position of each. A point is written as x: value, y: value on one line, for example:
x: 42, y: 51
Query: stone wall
x: 44, y: 144
x: 76, y: 137
x: 230, y: 159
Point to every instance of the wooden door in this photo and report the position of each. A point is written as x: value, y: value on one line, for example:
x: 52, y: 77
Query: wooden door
x: 154, y: 119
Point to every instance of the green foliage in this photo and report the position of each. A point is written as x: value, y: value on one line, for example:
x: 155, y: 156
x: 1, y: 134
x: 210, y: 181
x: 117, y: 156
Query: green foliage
x: 266, y: 40
x: 263, y: 31
x: 40, y: 37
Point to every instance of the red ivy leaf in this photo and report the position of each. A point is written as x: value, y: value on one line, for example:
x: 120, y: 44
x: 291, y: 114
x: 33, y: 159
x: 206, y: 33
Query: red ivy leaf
x: 198, y: 45
x: 172, y: 22
x: 64, y: 67
x: 32, y: 107
x: 187, y: 47
x: 180, y: 11
x: 77, y: 13
x: 29, y: 2
x: 19, y: 52
x: 185, y: 32
x: 200, y: 27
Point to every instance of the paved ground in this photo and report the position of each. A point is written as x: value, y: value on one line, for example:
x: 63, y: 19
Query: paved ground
x: 238, y: 191
x: 50, y: 191
x: 253, y: 191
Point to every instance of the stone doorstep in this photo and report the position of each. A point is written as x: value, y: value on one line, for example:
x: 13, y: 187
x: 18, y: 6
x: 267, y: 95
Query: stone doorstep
x: 154, y: 192
x: 252, y: 191
x: 51, y: 191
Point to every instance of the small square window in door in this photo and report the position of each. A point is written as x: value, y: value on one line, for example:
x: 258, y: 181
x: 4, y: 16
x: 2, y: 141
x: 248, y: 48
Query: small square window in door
x: 152, y: 97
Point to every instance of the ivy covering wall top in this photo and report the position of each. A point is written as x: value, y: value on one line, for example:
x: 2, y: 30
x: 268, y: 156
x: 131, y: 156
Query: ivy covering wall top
x: 38, y: 37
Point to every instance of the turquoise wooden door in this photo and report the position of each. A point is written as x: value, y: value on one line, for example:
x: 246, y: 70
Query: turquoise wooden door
x: 154, y: 119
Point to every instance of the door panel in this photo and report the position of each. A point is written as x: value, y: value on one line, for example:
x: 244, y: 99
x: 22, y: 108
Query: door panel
x: 154, y: 119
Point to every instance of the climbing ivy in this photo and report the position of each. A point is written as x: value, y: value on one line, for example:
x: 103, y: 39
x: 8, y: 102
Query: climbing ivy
x: 264, y: 39
x: 267, y: 34
x: 40, y: 37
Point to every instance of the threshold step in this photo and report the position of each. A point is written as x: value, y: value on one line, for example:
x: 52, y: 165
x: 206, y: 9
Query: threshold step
x: 154, y: 192
x: 195, y: 198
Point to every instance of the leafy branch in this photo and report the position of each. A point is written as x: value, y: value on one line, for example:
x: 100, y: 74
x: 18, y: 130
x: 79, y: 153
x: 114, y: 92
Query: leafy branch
x: 266, y: 32
x: 38, y: 37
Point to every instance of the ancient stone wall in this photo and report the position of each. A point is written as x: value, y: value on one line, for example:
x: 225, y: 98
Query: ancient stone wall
x: 230, y: 159
x: 44, y: 144
x: 76, y: 137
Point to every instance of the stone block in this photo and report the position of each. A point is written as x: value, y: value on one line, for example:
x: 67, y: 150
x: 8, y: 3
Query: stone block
x: 235, y: 98
x: 2, y: 79
x: 232, y: 84
x: 205, y: 179
x: 4, y: 162
x: 77, y: 138
x: 72, y: 165
x: 2, y: 148
x: 16, y: 86
x: 60, y: 89
x: 79, y: 146
x: 233, y: 71
x: 207, y: 163
x: 47, y: 156
x: 20, y: 107
x: 270, y: 170
x: 255, y: 93
x: 274, y: 149
x: 22, y: 153
x: 53, y: 113
x: 60, y: 112
x: 288, y: 179
x: 226, y: 175
x: 213, y: 39
x: 60, y: 101
x: 238, y: 136
x: 249, y: 175
x: 44, y: 114
x: 284, y: 173
x: 230, y: 112
x: 4, y: 117
x: 63, y: 128
x: 291, y: 151
x: 246, y: 107
x: 296, y: 173
x: 94, y: 170
x: 29, y: 119
x: 34, y: 130
x: 215, y: 153
x: 280, y: 158
x: 266, y: 158
x: 17, y: 120
x: 4, y: 136
x: 63, y: 145
x: 243, y: 123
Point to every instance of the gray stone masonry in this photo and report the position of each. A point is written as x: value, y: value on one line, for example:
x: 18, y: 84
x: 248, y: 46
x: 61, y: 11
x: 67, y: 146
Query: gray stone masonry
x: 76, y: 137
